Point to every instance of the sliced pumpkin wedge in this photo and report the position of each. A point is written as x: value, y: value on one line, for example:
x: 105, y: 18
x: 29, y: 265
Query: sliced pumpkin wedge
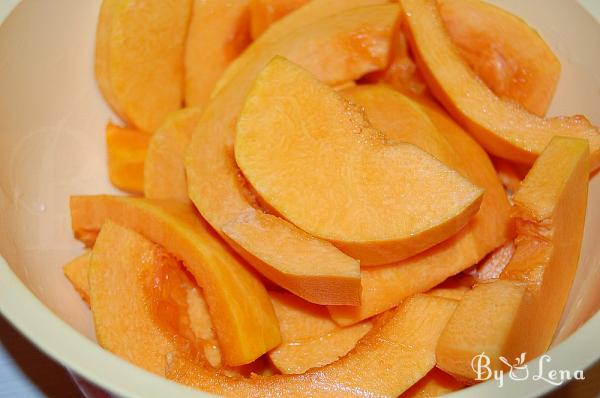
x: 336, y: 49
x: 503, y: 128
x: 239, y: 305
x: 521, y: 311
x: 399, y: 351
x: 384, y: 287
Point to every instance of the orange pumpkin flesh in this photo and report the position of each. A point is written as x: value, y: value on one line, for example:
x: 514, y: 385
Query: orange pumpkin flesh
x: 336, y: 177
x: 309, y: 337
x: 122, y: 267
x: 164, y: 168
x: 454, y: 287
x: 263, y: 13
x: 218, y: 32
x: 76, y: 272
x: 507, y: 54
x: 126, y: 155
x: 399, y: 352
x: 139, y: 65
x: 321, y: 275
x: 522, y: 309
x: 240, y: 308
x: 313, y: 12
x: 502, y: 127
x: 350, y: 44
x: 384, y: 287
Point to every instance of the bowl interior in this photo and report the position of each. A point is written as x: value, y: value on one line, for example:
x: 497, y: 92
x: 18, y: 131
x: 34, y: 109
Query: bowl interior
x: 52, y: 120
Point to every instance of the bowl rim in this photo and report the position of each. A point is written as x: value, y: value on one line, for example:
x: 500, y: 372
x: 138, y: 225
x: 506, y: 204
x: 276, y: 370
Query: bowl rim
x: 118, y: 376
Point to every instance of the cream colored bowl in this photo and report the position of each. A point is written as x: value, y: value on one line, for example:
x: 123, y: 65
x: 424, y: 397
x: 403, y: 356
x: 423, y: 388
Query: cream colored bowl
x: 52, y: 120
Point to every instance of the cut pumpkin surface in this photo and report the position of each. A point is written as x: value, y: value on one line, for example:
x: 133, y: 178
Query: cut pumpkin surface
x: 384, y: 287
x: 303, y: 18
x: 200, y: 324
x: 502, y: 127
x: 139, y: 65
x: 400, y: 351
x: 321, y: 275
x: 334, y: 176
x: 127, y: 150
x: 218, y: 32
x: 76, y: 272
x: 242, y: 314
x: 507, y: 54
x: 309, y: 337
x: 336, y: 49
x: 164, y: 167
x: 263, y: 13
x: 454, y: 287
x: 121, y: 270
x: 550, y: 211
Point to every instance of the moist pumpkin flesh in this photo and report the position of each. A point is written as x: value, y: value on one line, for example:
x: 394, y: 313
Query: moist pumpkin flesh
x: 502, y: 127
x: 350, y: 44
x: 328, y: 171
x: 384, y: 287
x: 238, y: 302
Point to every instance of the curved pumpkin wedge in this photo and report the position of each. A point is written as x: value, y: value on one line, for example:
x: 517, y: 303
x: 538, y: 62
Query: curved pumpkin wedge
x: 375, y: 201
x: 127, y: 150
x: 309, y: 337
x: 263, y: 13
x: 76, y: 272
x: 349, y: 44
x: 385, y: 363
x: 434, y: 384
x: 322, y: 274
x: 240, y: 308
x: 503, y: 128
x: 506, y: 53
x: 139, y: 65
x: 218, y: 32
x: 384, y: 287
x: 164, y: 168
x: 121, y: 270
x: 311, y: 13
x: 524, y: 307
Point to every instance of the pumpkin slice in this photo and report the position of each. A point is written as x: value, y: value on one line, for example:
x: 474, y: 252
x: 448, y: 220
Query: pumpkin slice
x: 349, y: 45
x: 509, y: 56
x: 523, y: 308
x: 218, y: 32
x: 164, y: 168
x: 312, y: 13
x: 309, y: 338
x: 504, y: 128
x: 126, y: 155
x: 321, y: 275
x: 264, y: 12
x: 384, y: 287
x: 386, y: 362
x: 200, y: 324
x: 434, y: 384
x: 121, y: 273
x: 76, y: 272
x: 359, y: 192
x: 139, y: 65
x: 240, y: 308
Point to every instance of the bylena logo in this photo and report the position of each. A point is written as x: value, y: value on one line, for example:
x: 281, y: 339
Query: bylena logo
x: 519, y: 370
